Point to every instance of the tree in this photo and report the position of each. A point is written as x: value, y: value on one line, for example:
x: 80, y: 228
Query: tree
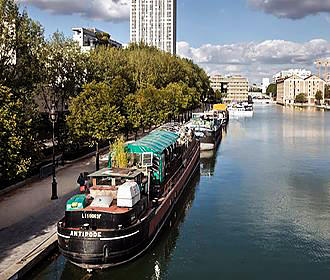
x: 94, y: 115
x: 17, y: 147
x: 64, y: 70
x: 103, y: 38
x: 133, y: 113
x: 21, y: 42
x: 219, y: 96
x: 300, y: 98
x: 272, y: 90
x: 327, y: 92
x: 319, y: 96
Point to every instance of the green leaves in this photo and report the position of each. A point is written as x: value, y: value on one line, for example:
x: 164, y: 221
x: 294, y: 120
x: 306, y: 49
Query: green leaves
x: 301, y: 98
x: 272, y: 89
x: 16, y: 136
x: 109, y: 89
x: 319, y: 95
x: 94, y: 114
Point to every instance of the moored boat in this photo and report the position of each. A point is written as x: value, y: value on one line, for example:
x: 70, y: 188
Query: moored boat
x: 127, y: 207
x: 208, y: 129
x: 240, y: 110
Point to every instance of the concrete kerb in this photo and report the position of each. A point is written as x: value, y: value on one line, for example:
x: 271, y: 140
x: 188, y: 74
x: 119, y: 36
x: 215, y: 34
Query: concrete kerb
x: 29, y: 261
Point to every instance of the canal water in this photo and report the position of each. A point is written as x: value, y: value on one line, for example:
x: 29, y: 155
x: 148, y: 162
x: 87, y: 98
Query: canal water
x: 259, y: 209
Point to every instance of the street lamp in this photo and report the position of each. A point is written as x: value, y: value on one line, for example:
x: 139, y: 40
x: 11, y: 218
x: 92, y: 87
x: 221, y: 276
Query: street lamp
x: 53, y: 118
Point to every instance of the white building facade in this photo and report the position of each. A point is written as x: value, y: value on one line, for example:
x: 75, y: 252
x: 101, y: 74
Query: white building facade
x: 154, y: 23
x: 87, y: 38
x: 235, y: 88
x: 302, y: 73
x: 289, y: 88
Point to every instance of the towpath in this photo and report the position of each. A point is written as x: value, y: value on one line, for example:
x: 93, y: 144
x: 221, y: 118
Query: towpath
x: 28, y: 216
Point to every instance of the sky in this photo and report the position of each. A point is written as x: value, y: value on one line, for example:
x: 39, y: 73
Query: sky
x: 253, y: 38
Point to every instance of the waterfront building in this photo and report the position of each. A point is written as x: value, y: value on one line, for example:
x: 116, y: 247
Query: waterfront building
x: 89, y: 38
x: 289, y: 88
x: 302, y: 73
x: 154, y: 23
x: 235, y: 88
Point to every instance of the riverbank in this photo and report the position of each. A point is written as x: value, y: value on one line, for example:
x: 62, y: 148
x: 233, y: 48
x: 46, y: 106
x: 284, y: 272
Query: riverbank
x: 301, y: 105
x: 28, y: 219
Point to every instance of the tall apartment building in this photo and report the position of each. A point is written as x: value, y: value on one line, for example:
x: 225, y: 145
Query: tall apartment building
x: 302, y: 73
x: 289, y: 88
x: 154, y: 23
x: 235, y: 88
x: 87, y: 38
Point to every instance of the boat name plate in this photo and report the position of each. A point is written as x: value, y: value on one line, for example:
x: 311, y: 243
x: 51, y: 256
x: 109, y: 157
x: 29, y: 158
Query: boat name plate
x: 91, y: 216
x: 90, y: 234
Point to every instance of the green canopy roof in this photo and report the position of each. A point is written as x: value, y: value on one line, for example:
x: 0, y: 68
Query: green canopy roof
x: 155, y: 142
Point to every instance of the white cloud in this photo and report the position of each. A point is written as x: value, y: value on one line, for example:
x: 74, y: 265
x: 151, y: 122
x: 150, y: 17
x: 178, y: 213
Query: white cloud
x: 256, y: 60
x: 107, y: 10
x: 293, y: 9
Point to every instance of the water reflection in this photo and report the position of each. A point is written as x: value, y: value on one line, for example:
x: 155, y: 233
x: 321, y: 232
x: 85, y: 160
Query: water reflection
x: 208, y: 161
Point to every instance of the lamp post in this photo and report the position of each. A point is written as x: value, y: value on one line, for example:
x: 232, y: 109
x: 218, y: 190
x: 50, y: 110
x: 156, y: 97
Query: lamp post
x: 53, y: 118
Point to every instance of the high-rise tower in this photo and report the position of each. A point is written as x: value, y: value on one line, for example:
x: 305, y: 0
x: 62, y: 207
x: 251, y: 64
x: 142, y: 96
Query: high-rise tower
x: 154, y: 23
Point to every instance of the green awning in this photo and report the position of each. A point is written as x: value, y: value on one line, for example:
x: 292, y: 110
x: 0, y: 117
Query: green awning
x: 155, y: 142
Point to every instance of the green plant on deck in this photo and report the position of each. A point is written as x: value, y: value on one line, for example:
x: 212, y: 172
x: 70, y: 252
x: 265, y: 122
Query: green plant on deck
x: 119, y: 155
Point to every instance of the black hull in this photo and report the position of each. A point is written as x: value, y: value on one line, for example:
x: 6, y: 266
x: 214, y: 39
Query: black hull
x: 105, y: 248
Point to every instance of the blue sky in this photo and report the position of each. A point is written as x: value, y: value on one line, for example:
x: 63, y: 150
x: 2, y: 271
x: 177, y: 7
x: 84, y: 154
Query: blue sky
x: 254, y: 38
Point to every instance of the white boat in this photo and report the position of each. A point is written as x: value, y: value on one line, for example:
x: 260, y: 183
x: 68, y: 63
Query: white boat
x: 261, y: 101
x: 240, y: 110
x: 208, y: 128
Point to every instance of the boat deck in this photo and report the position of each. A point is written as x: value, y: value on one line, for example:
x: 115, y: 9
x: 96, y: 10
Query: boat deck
x: 113, y: 209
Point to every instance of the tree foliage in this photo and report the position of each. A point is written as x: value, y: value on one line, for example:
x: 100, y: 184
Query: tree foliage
x: 17, y: 142
x: 272, y: 90
x: 327, y: 92
x: 319, y: 96
x: 108, y: 89
x: 64, y: 70
x: 94, y: 115
x: 21, y: 42
x: 301, y: 98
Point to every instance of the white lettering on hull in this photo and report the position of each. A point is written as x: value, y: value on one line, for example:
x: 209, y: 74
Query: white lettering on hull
x: 85, y: 234
x: 91, y: 216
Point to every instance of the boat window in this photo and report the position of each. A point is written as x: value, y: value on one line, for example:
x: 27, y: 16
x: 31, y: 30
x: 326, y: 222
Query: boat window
x: 135, y: 160
x: 110, y: 181
x: 105, y: 181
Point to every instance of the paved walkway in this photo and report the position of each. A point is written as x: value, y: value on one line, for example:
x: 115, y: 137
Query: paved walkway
x: 28, y: 216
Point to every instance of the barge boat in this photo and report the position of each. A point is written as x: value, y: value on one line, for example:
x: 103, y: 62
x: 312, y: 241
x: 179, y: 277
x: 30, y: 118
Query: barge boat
x: 208, y: 128
x: 127, y: 207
